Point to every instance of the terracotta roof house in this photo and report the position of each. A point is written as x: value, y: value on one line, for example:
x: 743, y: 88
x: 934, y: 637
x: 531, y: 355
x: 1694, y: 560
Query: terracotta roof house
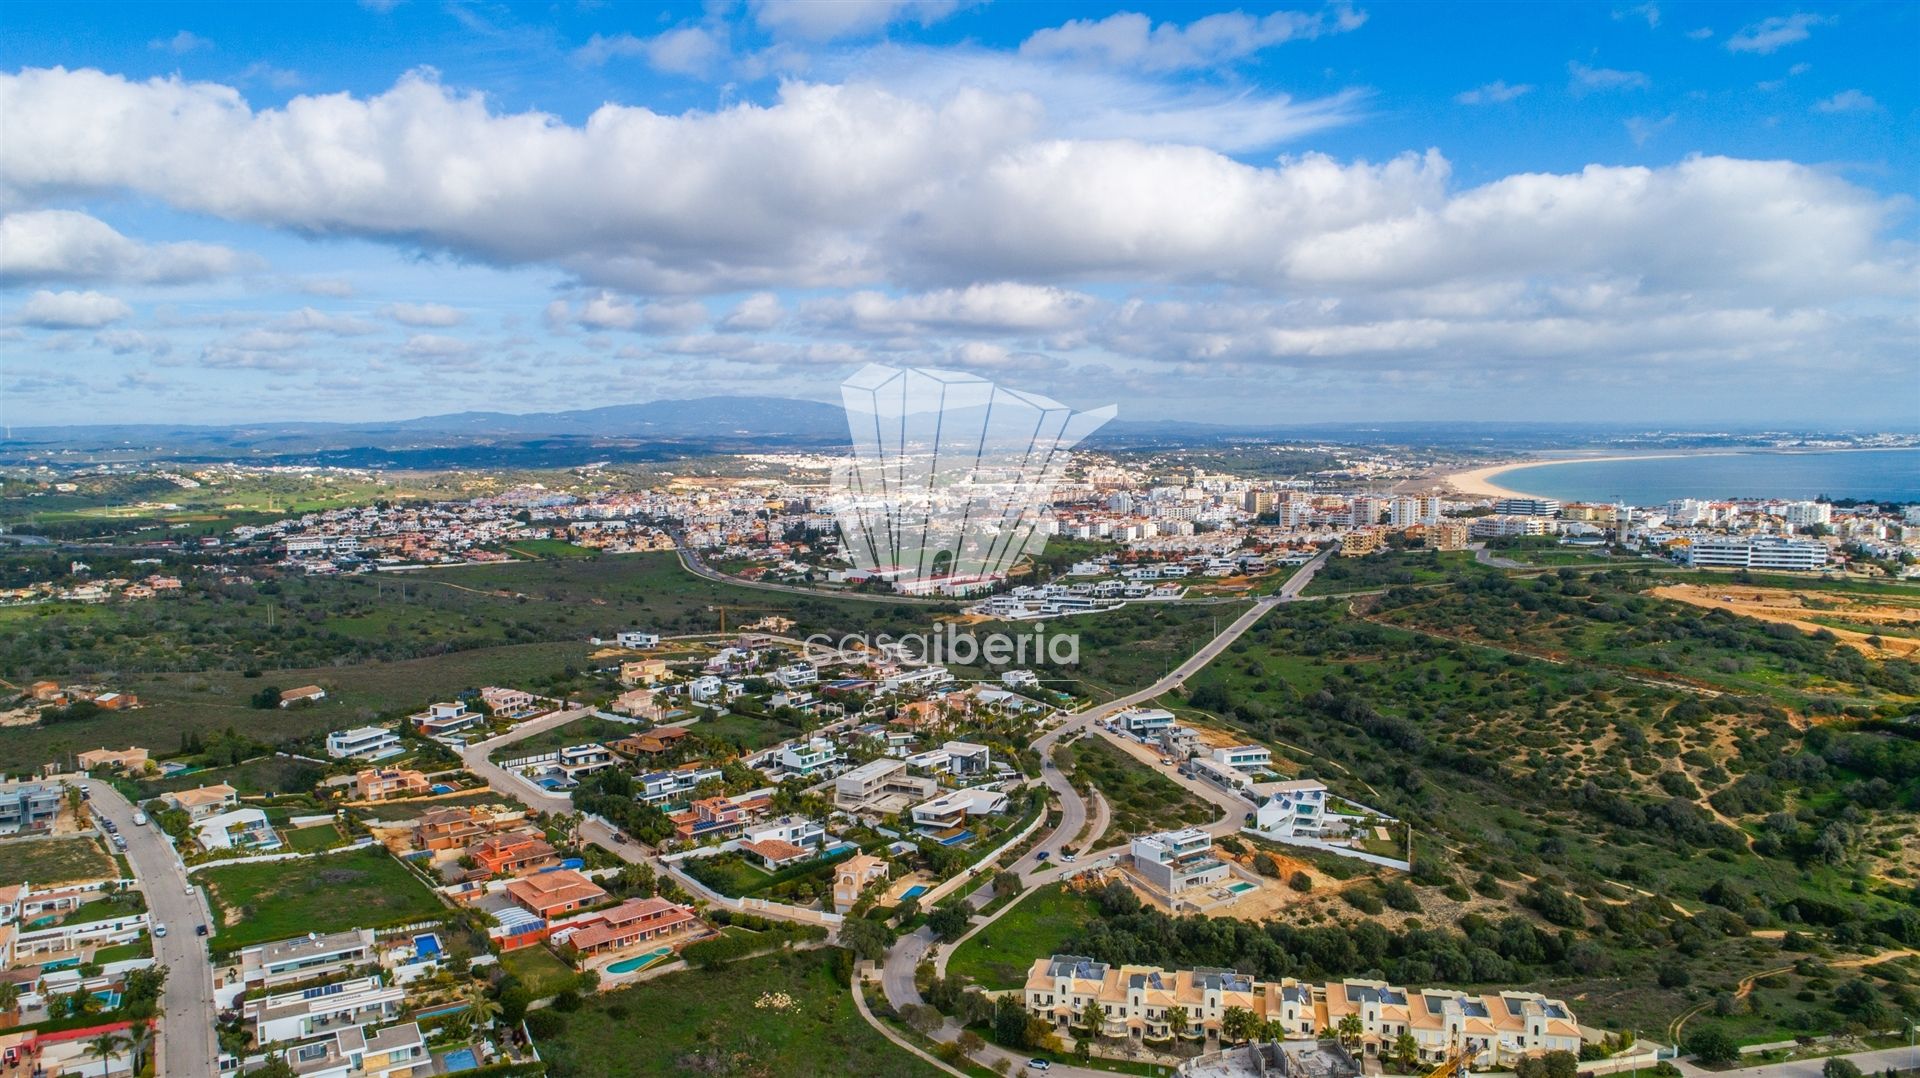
x: 633, y: 921
x: 775, y: 853
x: 514, y: 854
x: 549, y: 894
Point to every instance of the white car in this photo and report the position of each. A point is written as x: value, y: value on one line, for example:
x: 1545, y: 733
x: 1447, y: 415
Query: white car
x: 159, y: 929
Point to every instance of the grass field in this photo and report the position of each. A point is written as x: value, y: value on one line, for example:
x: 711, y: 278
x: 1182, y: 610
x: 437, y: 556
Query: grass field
x: 550, y: 548
x: 707, y: 1022
x: 53, y: 860
x: 1001, y: 953
x: 1142, y: 799
x: 312, y: 839
x: 1389, y: 568
x: 276, y: 900
x: 539, y: 969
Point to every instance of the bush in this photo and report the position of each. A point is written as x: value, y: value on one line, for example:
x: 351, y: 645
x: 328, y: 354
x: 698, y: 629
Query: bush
x: 545, y: 1024
x: 1301, y: 882
x: 1711, y: 1044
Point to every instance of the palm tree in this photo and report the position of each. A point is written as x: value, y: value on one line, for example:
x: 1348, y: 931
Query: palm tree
x: 140, y: 1039
x: 9, y: 997
x: 1177, y: 1020
x: 1351, y: 1031
x: 1406, y: 1051
x: 481, y: 1008
x: 105, y: 1046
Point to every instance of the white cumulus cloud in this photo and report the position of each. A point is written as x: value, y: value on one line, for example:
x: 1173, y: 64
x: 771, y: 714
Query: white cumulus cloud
x: 38, y: 246
x: 71, y: 310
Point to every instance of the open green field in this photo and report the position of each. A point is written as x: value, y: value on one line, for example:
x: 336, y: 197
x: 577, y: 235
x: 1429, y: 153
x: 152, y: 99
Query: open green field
x: 280, y: 899
x: 1387, y: 568
x: 312, y: 839
x: 1142, y: 799
x: 747, y: 732
x: 417, y: 807
x: 550, y: 548
x: 41, y: 861
x: 706, y: 1022
x: 999, y: 955
x: 539, y: 969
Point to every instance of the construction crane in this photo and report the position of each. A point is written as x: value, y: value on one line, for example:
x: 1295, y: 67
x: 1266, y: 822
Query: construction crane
x: 1455, y: 1065
x: 739, y: 610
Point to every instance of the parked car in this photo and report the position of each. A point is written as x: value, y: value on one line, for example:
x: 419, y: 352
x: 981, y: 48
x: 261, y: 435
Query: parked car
x: 1038, y: 1064
x: 159, y: 929
x: 199, y: 930
x: 1042, y: 855
x: 140, y: 819
x: 1068, y: 858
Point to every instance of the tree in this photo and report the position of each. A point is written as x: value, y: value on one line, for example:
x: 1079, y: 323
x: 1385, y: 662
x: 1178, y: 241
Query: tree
x: 105, y: 1047
x: 1351, y: 1031
x: 1238, y: 1024
x: 1177, y: 1018
x: 1561, y: 1064
x: 9, y: 996
x: 866, y: 938
x: 1406, y: 1051
x: 276, y: 1066
x: 480, y: 1009
x: 140, y: 1040
x: 1839, y: 1068
x: 1010, y: 1022
x: 1094, y: 1017
x: 950, y: 922
x: 1711, y: 1044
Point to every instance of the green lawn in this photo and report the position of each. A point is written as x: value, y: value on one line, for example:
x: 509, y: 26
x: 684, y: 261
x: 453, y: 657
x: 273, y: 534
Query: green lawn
x: 539, y: 969
x: 309, y: 839
x: 706, y: 1022
x: 53, y: 860
x: 1388, y: 568
x: 362, y: 889
x: 1001, y: 953
x: 550, y: 548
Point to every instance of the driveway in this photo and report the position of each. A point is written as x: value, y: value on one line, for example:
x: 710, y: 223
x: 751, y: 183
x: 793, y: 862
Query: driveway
x: 186, y: 1041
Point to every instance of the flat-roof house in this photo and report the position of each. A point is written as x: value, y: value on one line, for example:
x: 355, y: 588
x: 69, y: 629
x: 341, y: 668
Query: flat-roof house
x: 307, y: 957
x: 26, y: 806
x: 967, y: 758
x: 244, y: 828
x: 1295, y: 808
x: 370, y: 743
x: 1145, y: 721
x: 1245, y: 757
x: 952, y: 808
x: 637, y: 640
x: 203, y: 801
x: 447, y: 717
x: 304, y: 1013
x: 549, y: 894
x: 809, y: 756
x: 873, y: 783
x: 1177, y: 861
x: 656, y: 786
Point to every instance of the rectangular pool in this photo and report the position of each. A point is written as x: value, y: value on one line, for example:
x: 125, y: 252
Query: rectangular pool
x: 912, y: 892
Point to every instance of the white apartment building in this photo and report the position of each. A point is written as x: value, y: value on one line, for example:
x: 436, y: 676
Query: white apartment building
x: 308, y: 1012
x: 306, y: 957
x: 1804, y: 513
x: 1527, y: 507
x: 1753, y: 552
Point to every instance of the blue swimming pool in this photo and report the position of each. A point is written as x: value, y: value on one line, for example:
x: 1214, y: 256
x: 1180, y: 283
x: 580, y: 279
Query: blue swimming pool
x: 956, y: 839
x: 640, y: 962
x: 442, y: 788
x: 426, y: 946
x: 460, y: 1059
x: 912, y: 892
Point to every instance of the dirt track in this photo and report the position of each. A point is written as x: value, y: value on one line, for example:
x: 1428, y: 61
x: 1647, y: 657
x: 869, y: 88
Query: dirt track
x: 1786, y: 606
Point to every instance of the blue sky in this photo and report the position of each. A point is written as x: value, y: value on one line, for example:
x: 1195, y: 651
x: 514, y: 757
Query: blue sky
x: 1688, y: 213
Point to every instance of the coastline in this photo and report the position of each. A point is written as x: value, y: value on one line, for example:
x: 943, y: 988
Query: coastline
x: 1479, y: 482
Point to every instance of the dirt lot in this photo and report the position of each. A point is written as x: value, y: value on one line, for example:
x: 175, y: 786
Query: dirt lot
x: 1811, y: 611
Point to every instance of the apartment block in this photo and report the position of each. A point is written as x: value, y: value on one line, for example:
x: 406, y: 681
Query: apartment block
x: 306, y: 957
x: 1496, y: 1028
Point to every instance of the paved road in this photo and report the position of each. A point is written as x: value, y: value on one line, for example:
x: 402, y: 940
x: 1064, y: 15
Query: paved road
x: 1869, y: 1063
x: 186, y: 1041
x: 690, y: 561
x: 506, y: 782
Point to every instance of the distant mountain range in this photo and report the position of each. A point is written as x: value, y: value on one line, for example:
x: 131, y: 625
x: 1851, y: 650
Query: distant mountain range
x: 670, y: 429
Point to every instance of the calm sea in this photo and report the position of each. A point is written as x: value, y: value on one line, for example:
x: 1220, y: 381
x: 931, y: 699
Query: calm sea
x: 1871, y: 474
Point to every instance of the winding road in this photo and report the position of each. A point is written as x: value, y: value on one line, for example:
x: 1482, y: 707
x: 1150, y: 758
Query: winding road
x: 896, y: 974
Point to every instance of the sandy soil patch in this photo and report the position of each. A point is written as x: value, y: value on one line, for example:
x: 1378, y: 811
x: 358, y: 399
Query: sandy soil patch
x: 1786, y: 606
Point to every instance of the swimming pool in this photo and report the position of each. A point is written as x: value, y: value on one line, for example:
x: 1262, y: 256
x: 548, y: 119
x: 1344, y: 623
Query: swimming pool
x: 426, y: 946
x: 1243, y: 887
x: 912, y: 892
x: 442, y: 788
x: 640, y: 962
x: 460, y: 1059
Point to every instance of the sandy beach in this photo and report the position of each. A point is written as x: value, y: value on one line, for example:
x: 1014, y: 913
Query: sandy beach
x: 1479, y: 482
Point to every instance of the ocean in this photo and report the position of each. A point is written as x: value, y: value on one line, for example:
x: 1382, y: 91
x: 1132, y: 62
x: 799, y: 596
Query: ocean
x: 1867, y: 474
